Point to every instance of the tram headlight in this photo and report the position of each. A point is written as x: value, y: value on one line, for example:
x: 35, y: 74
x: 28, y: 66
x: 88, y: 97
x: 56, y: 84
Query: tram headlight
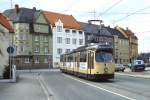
x: 105, y: 69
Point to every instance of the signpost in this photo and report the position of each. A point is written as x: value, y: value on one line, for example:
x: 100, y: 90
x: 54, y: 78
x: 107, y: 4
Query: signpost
x: 10, y: 50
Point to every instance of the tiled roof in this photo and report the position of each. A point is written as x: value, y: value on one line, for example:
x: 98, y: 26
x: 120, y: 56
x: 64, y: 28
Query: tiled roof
x: 4, y: 22
x: 25, y: 15
x: 68, y: 20
x: 127, y: 32
x: 94, y: 29
x: 116, y: 32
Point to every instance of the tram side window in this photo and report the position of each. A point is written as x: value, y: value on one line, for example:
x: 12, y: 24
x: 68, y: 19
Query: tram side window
x: 83, y: 56
x: 61, y: 58
x: 70, y: 58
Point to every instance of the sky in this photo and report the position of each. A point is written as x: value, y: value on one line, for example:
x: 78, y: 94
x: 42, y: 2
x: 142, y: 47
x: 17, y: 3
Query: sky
x: 134, y: 14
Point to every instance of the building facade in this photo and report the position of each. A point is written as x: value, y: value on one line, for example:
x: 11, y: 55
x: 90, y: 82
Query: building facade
x: 133, y: 42
x: 32, y: 38
x: 96, y: 33
x: 67, y: 34
x: 6, y: 32
x: 102, y: 34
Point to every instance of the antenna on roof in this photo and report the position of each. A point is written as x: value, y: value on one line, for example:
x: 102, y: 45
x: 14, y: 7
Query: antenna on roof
x: 11, y: 4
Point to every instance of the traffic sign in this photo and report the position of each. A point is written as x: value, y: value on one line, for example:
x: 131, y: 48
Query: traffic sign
x: 10, y: 49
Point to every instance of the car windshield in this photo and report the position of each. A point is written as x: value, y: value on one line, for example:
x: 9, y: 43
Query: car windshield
x: 103, y: 57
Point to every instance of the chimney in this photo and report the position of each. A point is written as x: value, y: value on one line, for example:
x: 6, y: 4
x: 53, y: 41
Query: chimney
x: 17, y: 8
x: 89, y: 21
x: 34, y: 8
x: 127, y: 28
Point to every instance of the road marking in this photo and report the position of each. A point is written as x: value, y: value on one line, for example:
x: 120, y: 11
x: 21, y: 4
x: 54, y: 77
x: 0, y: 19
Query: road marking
x: 100, y: 88
x: 43, y: 85
x: 138, y: 76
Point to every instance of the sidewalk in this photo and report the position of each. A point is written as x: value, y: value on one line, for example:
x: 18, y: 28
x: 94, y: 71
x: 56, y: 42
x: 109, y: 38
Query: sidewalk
x: 143, y: 74
x: 27, y: 88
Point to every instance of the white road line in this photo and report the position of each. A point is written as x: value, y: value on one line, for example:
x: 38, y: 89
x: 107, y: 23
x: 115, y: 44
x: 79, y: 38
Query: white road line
x: 44, y: 88
x: 100, y: 88
x: 138, y: 76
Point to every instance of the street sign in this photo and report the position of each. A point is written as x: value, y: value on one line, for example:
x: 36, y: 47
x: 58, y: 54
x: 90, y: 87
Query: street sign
x: 10, y: 49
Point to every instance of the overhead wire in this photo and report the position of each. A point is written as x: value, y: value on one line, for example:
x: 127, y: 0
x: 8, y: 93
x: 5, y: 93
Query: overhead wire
x: 132, y: 14
x: 110, y: 8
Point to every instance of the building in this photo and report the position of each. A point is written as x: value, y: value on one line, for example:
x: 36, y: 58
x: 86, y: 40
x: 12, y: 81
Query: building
x: 101, y: 34
x: 133, y: 42
x: 96, y: 33
x: 67, y: 34
x: 33, y: 38
x: 6, y: 31
x: 121, y: 46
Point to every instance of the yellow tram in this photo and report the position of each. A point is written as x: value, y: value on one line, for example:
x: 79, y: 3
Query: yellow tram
x: 94, y: 61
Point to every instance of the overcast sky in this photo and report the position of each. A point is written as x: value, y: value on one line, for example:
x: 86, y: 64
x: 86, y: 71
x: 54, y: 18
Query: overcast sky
x: 134, y: 14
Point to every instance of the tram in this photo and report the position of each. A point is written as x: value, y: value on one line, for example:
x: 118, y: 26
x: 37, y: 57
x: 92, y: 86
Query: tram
x: 94, y: 61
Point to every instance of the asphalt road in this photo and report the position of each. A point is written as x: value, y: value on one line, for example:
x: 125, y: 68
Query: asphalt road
x: 54, y: 85
x: 66, y: 87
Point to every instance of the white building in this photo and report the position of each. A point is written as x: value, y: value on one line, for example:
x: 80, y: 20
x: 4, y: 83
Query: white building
x: 5, y: 41
x: 67, y: 34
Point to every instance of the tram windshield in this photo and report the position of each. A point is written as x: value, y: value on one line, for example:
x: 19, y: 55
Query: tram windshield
x: 103, y: 57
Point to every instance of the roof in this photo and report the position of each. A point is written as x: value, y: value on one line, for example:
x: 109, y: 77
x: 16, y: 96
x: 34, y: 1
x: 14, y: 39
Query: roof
x: 25, y: 15
x: 116, y: 32
x: 4, y: 22
x: 94, y: 29
x: 68, y: 20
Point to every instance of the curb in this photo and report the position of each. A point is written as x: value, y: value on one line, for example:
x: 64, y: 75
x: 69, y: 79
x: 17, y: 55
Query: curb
x: 138, y: 76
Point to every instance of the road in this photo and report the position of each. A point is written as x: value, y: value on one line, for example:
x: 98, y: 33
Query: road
x: 54, y: 85
x: 66, y: 87
x: 27, y: 88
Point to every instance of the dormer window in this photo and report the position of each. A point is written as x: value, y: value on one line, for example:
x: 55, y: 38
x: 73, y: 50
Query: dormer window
x: 59, y: 28
x: 74, y: 31
x: 67, y: 31
x: 80, y: 32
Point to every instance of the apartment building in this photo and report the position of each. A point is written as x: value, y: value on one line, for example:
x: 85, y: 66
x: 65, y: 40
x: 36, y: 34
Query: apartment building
x: 6, y: 31
x: 101, y: 34
x: 67, y: 34
x: 96, y: 33
x: 133, y: 42
x: 121, y: 46
x: 33, y: 38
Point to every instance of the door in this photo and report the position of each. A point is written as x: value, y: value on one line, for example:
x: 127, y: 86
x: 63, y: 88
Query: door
x: 90, y: 61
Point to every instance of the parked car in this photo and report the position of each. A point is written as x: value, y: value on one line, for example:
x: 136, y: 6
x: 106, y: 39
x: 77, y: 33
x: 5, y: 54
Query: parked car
x: 137, y: 65
x: 119, y: 67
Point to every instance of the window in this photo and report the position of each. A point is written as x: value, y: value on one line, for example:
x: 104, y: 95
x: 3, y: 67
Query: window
x: 27, y: 60
x: 67, y: 31
x: 80, y: 32
x: 36, y: 60
x: 59, y: 51
x: 74, y: 31
x: 83, y: 56
x: 20, y: 36
x: 46, y: 60
x: 46, y: 49
x: 67, y: 40
x: 74, y: 41
x: 59, y: 28
x: 36, y: 49
x: 59, y: 39
x: 80, y: 41
x: 36, y: 38
x: 45, y: 39
x: 21, y: 48
x: 67, y: 50
x: 103, y: 57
